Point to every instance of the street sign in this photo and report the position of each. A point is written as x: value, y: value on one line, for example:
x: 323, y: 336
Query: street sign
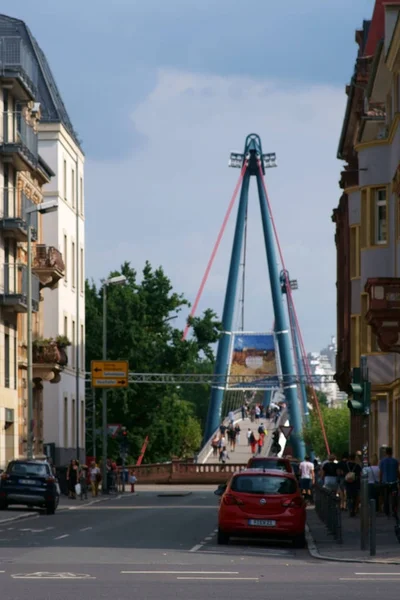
x: 113, y: 429
x: 286, y: 430
x: 109, y: 374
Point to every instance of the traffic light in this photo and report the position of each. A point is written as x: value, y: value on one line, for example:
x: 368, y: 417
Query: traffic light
x: 360, y: 391
x: 123, y: 440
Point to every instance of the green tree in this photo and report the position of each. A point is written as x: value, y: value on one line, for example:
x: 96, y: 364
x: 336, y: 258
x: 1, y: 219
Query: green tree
x: 337, y: 422
x: 140, y: 318
x: 321, y: 396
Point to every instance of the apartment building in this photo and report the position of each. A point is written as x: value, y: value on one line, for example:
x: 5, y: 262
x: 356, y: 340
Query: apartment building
x: 41, y: 159
x: 367, y: 229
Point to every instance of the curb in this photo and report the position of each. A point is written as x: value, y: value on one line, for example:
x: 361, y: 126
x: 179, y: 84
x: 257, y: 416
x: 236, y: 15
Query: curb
x: 315, y: 553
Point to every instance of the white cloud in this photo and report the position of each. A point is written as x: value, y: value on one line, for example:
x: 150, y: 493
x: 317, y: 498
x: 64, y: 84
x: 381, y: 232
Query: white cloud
x: 166, y: 203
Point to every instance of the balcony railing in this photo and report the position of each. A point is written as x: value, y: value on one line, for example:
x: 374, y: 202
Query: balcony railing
x: 17, y: 61
x: 13, y: 216
x: 14, y: 288
x: 17, y: 136
x: 48, y: 265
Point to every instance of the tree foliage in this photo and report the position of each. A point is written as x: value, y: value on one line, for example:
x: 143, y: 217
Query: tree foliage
x: 140, y: 329
x: 337, y: 422
x: 322, y: 397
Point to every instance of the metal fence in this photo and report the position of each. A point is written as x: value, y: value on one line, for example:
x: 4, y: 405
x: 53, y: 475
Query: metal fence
x: 327, y: 507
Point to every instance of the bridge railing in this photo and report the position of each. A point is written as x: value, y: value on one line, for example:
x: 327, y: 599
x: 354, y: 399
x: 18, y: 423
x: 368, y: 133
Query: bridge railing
x: 205, y: 452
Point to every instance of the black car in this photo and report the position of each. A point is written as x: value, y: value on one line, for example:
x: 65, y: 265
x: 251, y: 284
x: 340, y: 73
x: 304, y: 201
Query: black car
x: 29, y: 482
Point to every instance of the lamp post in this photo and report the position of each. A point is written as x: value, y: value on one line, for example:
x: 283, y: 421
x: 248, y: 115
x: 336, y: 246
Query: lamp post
x: 45, y: 207
x: 118, y: 280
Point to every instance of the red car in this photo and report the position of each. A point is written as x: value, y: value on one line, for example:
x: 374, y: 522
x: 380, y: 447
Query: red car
x: 262, y: 503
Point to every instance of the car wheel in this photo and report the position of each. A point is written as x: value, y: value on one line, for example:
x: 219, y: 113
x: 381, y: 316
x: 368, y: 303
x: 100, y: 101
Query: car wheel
x: 50, y: 508
x: 299, y: 541
x: 3, y: 505
x: 223, y: 538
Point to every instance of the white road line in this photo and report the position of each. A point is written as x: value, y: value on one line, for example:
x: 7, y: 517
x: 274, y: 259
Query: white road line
x: 196, y: 548
x: 86, y: 529
x: 369, y: 579
x: 379, y: 574
x: 208, y: 538
x: 61, y: 537
x: 222, y: 578
x: 2, y: 571
x: 181, y: 572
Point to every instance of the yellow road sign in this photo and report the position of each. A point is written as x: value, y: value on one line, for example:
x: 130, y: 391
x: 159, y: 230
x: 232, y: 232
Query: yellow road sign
x: 110, y: 374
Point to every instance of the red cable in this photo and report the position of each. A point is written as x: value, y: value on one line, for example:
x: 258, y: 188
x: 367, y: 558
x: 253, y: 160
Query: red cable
x: 290, y: 298
x: 215, y: 249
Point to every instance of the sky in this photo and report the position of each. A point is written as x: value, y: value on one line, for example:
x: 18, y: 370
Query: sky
x: 162, y: 91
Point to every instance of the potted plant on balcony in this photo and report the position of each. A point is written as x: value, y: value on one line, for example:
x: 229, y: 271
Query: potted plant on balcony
x: 62, y: 343
x: 45, y: 351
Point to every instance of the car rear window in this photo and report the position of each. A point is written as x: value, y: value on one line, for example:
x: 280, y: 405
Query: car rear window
x: 22, y: 469
x: 279, y: 465
x: 263, y: 484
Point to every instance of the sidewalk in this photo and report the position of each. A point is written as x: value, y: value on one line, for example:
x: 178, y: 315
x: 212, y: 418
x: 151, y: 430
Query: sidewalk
x: 322, y: 545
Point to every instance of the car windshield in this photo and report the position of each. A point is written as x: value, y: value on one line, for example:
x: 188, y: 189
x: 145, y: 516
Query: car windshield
x: 279, y: 465
x: 263, y: 484
x: 28, y: 469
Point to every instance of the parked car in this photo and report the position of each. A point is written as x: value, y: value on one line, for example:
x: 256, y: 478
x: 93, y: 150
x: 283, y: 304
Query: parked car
x: 262, y: 504
x: 270, y: 462
x: 31, y: 483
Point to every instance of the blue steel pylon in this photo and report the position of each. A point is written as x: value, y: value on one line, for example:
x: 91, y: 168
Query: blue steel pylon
x: 255, y: 168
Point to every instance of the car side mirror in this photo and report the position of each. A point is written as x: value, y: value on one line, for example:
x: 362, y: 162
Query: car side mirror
x: 220, y: 490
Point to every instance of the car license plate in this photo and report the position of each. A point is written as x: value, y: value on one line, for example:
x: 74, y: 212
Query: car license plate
x: 25, y: 481
x: 261, y: 523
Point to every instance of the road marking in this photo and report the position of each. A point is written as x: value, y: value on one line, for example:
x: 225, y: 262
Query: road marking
x: 181, y: 572
x: 86, y: 529
x: 208, y: 538
x: 2, y: 571
x: 398, y: 573
x: 61, y: 537
x: 222, y: 578
x: 47, y: 575
x: 196, y: 548
x: 369, y: 579
x: 156, y: 506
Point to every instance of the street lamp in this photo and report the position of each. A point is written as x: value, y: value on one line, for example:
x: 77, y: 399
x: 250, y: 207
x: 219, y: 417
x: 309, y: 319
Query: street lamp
x: 117, y: 280
x: 44, y: 207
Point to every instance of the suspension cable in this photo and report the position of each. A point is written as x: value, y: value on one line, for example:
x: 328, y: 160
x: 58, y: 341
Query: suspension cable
x: 215, y: 249
x: 290, y: 297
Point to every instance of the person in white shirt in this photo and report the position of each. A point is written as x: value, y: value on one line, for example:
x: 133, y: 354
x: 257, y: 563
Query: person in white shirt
x: 306, y: 476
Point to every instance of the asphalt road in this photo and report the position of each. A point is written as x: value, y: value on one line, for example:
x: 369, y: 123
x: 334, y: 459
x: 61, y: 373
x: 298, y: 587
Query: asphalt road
x: 151, y: 546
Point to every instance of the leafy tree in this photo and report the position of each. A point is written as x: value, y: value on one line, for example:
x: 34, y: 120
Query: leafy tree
x: 322, y: 397
x: 336, y: 421
x: 140, y: 318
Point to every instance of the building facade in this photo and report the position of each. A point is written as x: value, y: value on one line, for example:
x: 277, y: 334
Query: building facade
x: 367, y: 223
x: 40, y: 159
x: 323, y: 366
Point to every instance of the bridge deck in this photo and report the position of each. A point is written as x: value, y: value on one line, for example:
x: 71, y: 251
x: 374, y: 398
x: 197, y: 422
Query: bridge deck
x: 242, y: 452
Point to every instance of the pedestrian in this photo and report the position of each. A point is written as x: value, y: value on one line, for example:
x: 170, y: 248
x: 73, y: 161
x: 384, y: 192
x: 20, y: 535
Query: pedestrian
x: 248, y: 436
x: 95, y: 479
x: 374, y: 475
x: 132, y: 480
x: 389, y: 475
x: 260, y: 443
x: 83, y: 476
x: 253, y: 443
x: 237, y: 430
x: 307, y: 477
x: 72, y: 478
x: 330, y: 477
x: 352, y: 477
x: 214, y: 445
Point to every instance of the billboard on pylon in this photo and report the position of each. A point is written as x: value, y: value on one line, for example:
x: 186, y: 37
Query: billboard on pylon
x: 254, y: 361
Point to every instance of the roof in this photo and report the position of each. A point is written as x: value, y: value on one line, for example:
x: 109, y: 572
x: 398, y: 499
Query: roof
x: 52, y: 107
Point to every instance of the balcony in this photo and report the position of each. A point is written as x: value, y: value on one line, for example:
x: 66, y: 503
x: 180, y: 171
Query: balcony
x: 49, y: 359
x: 14, y: 288
x: 18, y: 141
x: 384, y: 311
x: 48, y: 265
x: 18, y: 65
x: 13, y: 217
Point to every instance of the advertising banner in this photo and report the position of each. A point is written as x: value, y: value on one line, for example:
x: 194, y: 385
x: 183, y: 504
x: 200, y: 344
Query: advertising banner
x: 254, y: 361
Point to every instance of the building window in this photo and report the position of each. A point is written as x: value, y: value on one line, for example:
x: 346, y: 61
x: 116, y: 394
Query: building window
x: 354, y: 252
x: 15, y: 358
x: 65, y: 257
x: 73, y: 345
x: 82, y: 349
x: 65, y: 180
x: 73, y: 188
x: 81, y: 194
x: 355, y: 341
x: 82, y: 428
x: 73, y: 265
x: 380, y: 216
x: 82, y: 272
x: 364, y: 219
x: 66, y: 440
x: 6, y: 360
x: 374, y: 343
x: 66, y: 326
x: 73, y: 423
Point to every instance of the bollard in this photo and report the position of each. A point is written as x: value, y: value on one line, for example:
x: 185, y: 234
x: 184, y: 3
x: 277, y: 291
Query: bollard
x: 364, y: 512
x: 372, y: 527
